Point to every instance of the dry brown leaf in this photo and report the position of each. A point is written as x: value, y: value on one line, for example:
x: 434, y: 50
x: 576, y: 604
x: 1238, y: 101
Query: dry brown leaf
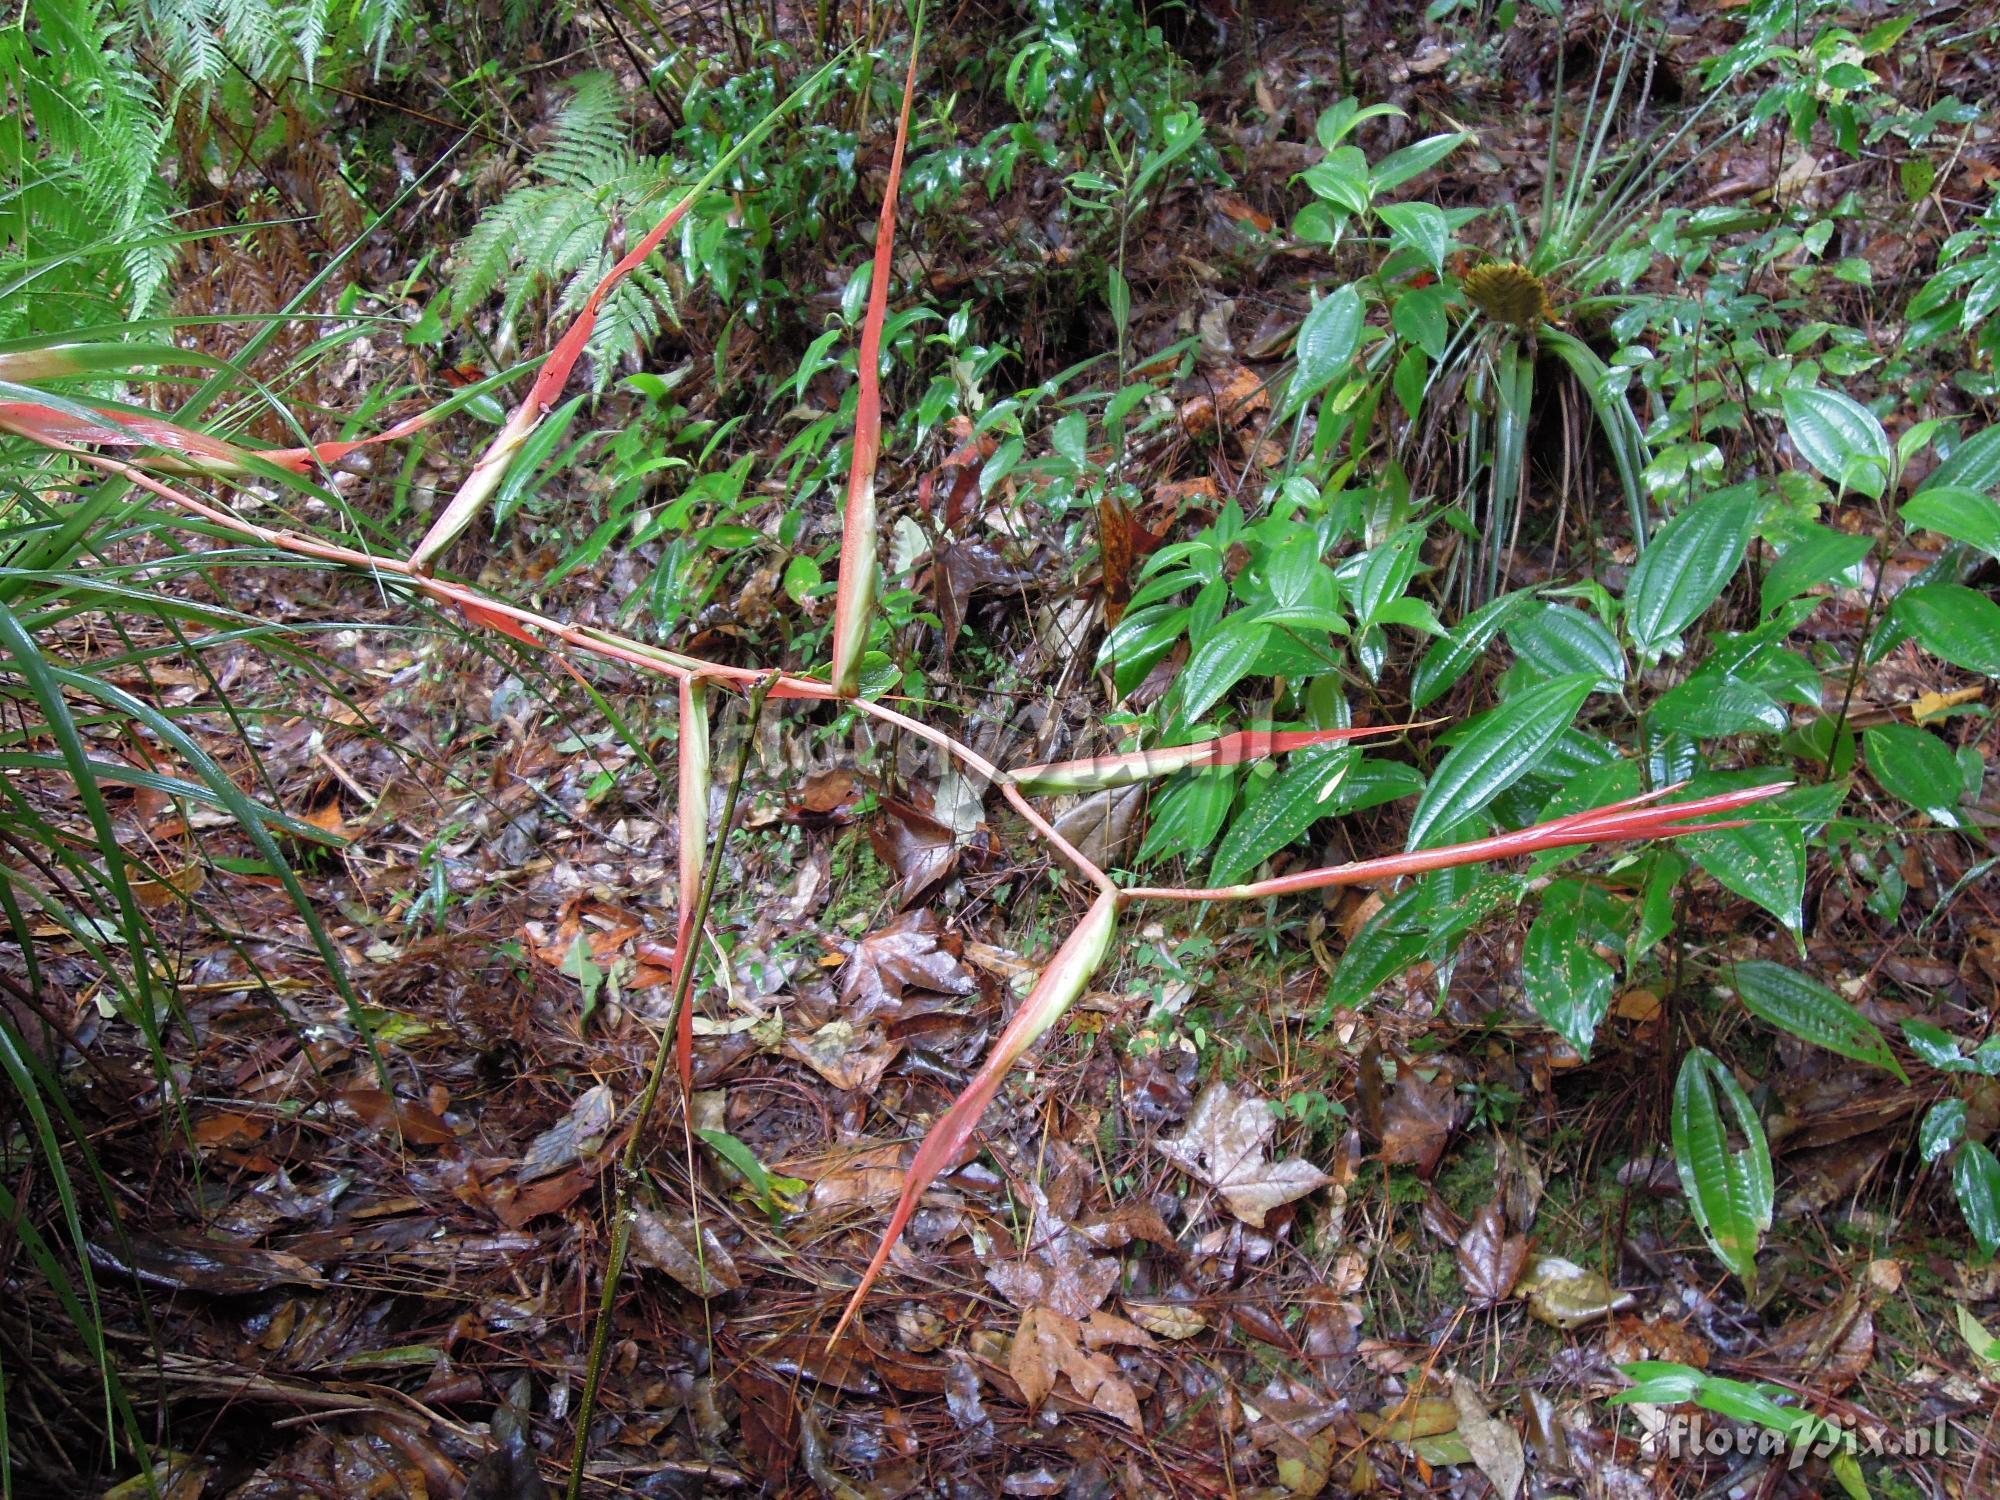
x: 700, y: 1263
x: 1036, y: 1358
x: 1416, y: 1121
x: 1223, y: 1145
x: 1167, y: 1320
x: 1494, y: 1444
x: 1489, y: 1258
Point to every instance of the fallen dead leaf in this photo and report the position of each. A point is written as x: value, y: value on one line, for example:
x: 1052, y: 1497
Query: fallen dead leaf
x: 1489, y: 1258
x: 1223, y: 1145
x: 1565, y: 1294
x: 1494, y: 1444
x: 698, y: 1262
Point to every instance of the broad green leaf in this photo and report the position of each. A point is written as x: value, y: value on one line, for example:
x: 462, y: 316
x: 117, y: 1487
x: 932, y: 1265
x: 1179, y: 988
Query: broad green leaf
x: 1497, y: 750
x: 1763, y: 861
x: 1566, y: 982
x: 1281, y: 810
x: 1711, y: 703
x: 1916, y: 767
x: 1187, y: 817
x: 1943, y: 1128
x: 1450, y: 658
x: 1840, y: 437
x: 1963, y: 515
x: 1813, y: 1013
x: 1219, y: 663
x: 1984, y: 1346
x: 1398, y: 167
x: 1974, y: 465
x: 1730, y: 1191
x: 1561, y: 642
x: 1817, y: 556
x: 1327, y: 340
x: 1687, y: 565
x: 1975, y: 1177
x: 1421, y: 922
x: 1659, y: 1382
x: 1421, y: 226
x: 1954, y: 622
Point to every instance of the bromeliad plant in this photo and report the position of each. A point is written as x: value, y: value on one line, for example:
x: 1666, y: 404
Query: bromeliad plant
x: 143, y: 448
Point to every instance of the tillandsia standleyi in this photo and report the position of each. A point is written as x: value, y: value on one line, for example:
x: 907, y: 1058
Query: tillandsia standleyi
x: 150, y: 445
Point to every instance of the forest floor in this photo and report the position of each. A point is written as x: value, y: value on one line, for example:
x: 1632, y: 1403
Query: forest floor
x: 325, y: 1288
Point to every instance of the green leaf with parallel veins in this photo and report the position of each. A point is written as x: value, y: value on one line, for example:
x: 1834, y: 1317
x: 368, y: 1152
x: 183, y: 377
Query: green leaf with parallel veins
x: 1187, y: 817
x: 1560, y: 642
x: 1327, y: 340
x: 1450, y: 658
x: 1421, y: 226
x: 1840, y: 437
x: 1817, y: 556
x: 1566, y: 982
x: 1687, y: 565
x: 1219, y: 663
x: 1915, y: 766
x: 1954, y: 622
x: 1730, y: 1191
x: 1281, y: 810
x: 1975, y: 1177
x: 1943, y: 1128
x: 1963, y: 515
x: 1398, y: 167
x: 1813, y: 1013
x: 1763, y: 861
x: 1497, y: 750
x: 1974, y: 465
x: 1710, y: 704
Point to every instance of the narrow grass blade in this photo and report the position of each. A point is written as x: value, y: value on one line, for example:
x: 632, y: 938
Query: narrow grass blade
x: 854, y: 597
x: 1061, y: 982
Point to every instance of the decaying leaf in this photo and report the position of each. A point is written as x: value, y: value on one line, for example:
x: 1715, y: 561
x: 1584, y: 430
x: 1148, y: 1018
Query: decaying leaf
x: 907, y: 954
x: 1489, y: 1258
x: 1417, y: 1118
x: 1224, y: 1144
x: 1494, y: 1444
x: 1563, y: 1293
x: 698, y: 1262
x: 1049, y: 1344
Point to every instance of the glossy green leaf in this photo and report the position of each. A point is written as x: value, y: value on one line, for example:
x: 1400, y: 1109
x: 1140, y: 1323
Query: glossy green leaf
x: 1497, y: 750
x: 1974, y: 465
x: 1963, y: 515
x: 1424, y: 921
x: 1327, y: 340
x: 1451, y: 657
x: 1187, y: 817
x: 1566, y: 982
x: 1762, y: 861
x: 1711, y: 703
x: 1562, y: 642
x: 1959, y: 624
x: 1943, y: 1128
x: 1280, y: 810
x: 1975, y: 1178
x: 1219, y: 663
x: 1685, y: 569
x: 1817, y: 556
x: 1801, y: 1005
x: 1398, y: 167
x: 1915, y: 767
x: 1421, y: 226
x: 1730, y: 1190
x: 1838, y: 436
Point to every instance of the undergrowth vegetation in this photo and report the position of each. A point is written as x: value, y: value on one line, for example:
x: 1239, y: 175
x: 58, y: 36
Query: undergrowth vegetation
x: 1156, y: 485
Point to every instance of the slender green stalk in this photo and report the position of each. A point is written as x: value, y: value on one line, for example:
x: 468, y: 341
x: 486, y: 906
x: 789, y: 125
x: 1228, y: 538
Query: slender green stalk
x: 628, y: 1161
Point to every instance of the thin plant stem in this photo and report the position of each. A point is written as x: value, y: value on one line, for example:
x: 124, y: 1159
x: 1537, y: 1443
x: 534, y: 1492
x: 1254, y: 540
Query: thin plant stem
x: 628, y: 1161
